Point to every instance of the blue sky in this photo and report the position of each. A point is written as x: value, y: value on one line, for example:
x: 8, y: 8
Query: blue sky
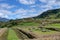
x: 13, y: 9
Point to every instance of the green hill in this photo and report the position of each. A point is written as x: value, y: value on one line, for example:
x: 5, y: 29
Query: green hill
x: 50, y: 14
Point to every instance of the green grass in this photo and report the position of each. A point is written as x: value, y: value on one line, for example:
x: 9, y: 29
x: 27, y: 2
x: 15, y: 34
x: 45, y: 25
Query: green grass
x: 12, y: 35
x: 29, y: 24
x: 56, y: 25
x: 39, y: 32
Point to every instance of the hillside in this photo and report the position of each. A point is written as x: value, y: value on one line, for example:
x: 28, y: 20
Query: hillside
x: 50, y: 14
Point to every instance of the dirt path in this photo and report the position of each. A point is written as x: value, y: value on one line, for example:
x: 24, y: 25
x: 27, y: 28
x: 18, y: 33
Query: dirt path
x: 55, y: 36
x: 20, y: 35
x: 3, y: 33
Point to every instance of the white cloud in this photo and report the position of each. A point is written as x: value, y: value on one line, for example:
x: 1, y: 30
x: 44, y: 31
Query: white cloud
x: 48, y: 4
x: 47, y: 1
x: 23, y: 13
x: 4, y: 10
x: 19, y: 13
x: 6, y: 6
x: 27, y: 1
x: 5, y: 13
x: 4, y: 16
x: 1, y: 14
x: 43, y: 1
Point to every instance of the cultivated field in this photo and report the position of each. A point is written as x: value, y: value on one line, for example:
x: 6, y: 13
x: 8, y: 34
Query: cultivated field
x: 47, y: 30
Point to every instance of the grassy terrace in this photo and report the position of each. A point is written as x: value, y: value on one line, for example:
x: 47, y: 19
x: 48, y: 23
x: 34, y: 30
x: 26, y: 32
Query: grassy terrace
x: 37, y: 31
x: 56, y: 25
x: 29, y: 24
x: 12, y: 35
x: 32, y: 26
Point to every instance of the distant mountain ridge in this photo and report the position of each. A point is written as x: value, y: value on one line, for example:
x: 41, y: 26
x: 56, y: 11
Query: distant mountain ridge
x: 49, y: 14
x: 54, y: 13
x: 3, y: 19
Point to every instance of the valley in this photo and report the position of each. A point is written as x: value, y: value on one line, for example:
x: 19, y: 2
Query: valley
x: 43, y: 27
